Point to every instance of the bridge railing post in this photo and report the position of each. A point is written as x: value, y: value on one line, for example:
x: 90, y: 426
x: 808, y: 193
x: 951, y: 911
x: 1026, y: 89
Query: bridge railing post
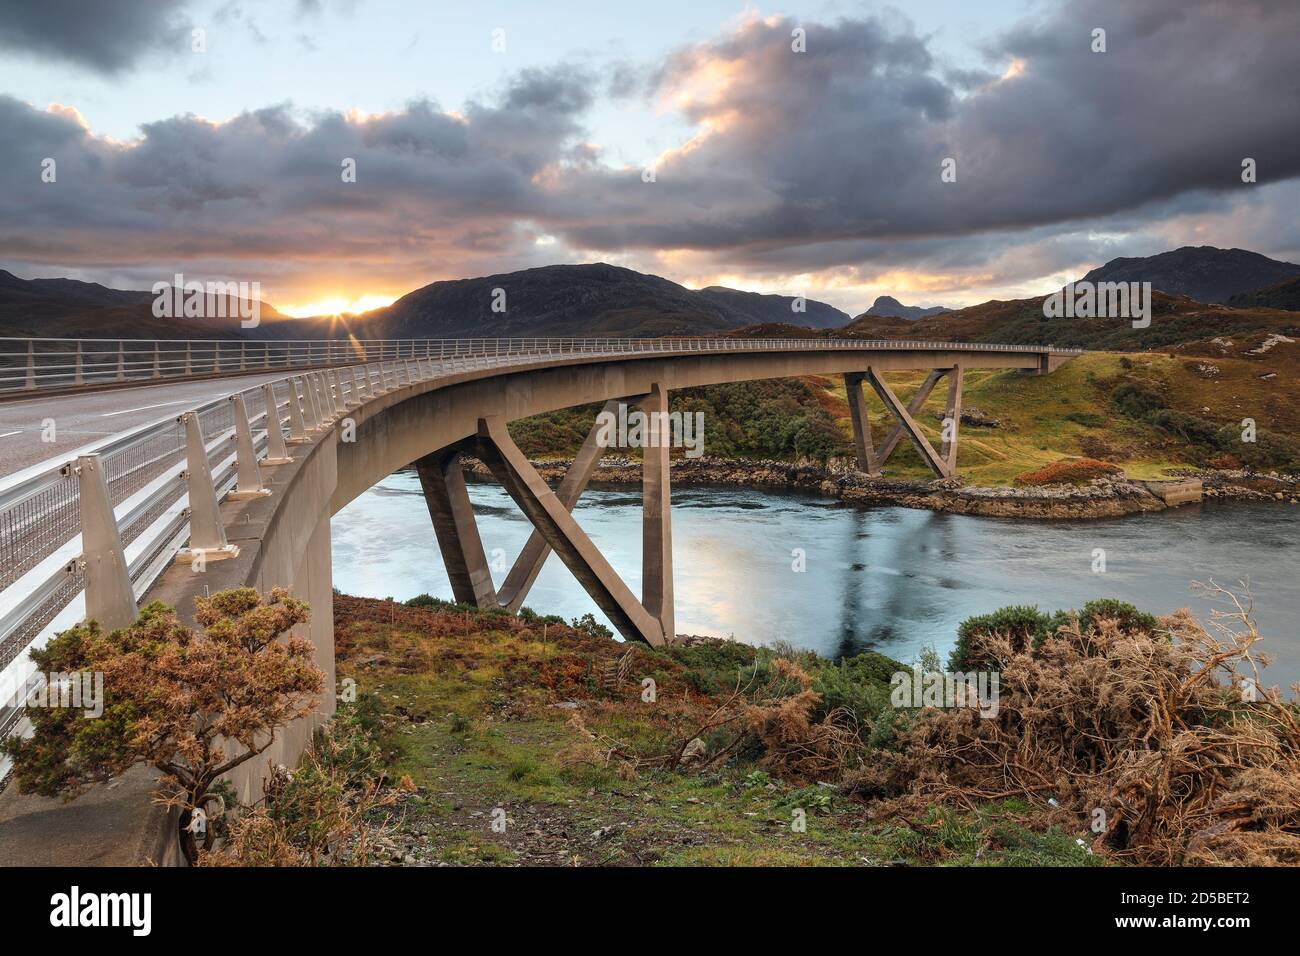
x: 311, y: 403
x: 248, y: 482
x: 110, y: 599
x: 335, y: 388
x: 276, y: 452
x: 321, y: 392
x: 297, y: 420
x: 207, y: 534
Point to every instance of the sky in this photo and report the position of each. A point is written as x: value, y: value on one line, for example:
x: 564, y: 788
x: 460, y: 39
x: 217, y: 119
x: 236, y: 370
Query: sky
x: 797, y: 148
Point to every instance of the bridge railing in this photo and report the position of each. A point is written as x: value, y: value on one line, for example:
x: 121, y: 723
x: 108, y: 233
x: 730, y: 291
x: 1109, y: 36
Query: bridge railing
x: 29, y: 365
x: 150, y: 474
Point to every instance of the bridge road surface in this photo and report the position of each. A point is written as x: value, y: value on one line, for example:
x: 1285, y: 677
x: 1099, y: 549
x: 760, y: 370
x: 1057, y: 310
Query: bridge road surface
x: 85, y: 417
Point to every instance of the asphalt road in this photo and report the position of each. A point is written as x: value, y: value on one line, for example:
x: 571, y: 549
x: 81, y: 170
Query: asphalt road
x: 85, y: 417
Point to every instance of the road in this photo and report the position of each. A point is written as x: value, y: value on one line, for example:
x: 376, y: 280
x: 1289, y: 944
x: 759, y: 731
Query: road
x: 84, y: 417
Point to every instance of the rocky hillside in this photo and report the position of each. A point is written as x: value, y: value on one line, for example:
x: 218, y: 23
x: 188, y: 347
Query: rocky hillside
x: 1204, y: 273
x: 68, y: 308
x: 571, y: 300
x: 563, y: 300
x: 1284, y: 295
x: 1177, y: 322
x: 888, y: 305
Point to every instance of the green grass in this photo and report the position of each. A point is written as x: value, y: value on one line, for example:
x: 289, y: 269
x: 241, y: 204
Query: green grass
x: 472, y: 728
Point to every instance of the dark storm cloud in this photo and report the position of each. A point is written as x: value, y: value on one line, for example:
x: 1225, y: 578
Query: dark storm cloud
x: 104, y: 36
x: 267, y: 184
x: 846, y: 140
x: 802, y: 161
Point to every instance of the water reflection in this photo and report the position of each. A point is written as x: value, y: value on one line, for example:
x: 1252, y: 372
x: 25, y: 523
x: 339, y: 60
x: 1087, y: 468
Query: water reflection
x: 889, y: 579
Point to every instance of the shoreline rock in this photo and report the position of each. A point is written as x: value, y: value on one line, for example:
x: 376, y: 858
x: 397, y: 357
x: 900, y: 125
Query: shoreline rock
x: 1101, y: 498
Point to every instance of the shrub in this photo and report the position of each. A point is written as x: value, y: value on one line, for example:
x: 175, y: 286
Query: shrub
x: 1268, y: 450
x: 590, y: 626
x: 320, y: 812
x: 1128, y: 617
x: 529, y: 616
x: 1190, y: 428
x: 1072, y: 471
x: 714, y: 667
x: 1225, y: 462
x: 861, y: 689
x: 1136, y: 401
x: 1087, y: 419
x: 1191, y: 762
x: 1025, y: 626
x: 194, y: 705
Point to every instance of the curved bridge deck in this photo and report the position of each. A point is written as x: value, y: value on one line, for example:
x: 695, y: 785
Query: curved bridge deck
x: 239, y: 488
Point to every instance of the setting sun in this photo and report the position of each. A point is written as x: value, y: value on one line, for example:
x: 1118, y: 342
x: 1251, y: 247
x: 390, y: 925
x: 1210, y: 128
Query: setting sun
x: 337, y: 305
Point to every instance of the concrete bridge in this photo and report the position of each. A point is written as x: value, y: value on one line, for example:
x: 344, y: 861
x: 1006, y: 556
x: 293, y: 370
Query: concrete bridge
x: 241, y: 485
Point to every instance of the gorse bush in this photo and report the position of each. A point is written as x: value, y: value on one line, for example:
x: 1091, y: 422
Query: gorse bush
x: 588, y: 625
x: 1213, y: 441
x: 1026, y: 628
x: 1136, y: 401
x: 193, y: 704
x: 1072, y: 471
x: 1186, y: 759
x: 324, y: 811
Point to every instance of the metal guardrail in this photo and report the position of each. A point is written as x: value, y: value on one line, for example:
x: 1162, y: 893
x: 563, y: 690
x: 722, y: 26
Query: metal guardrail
x: 28, y: 365
x: 109, y: 521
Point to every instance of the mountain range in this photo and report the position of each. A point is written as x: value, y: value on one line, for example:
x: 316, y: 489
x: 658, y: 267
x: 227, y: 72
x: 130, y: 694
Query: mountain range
x: 70, y: 308
x: 599, y: 299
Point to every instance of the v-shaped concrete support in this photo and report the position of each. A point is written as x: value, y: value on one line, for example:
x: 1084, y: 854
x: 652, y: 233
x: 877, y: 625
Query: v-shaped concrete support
x: 551, y: 518
x: 528, y: 565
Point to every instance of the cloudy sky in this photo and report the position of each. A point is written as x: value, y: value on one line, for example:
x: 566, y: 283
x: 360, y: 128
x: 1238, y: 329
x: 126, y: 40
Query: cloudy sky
x: 794, y: 148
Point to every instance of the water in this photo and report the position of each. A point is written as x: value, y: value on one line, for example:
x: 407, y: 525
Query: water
x: 890, y: 579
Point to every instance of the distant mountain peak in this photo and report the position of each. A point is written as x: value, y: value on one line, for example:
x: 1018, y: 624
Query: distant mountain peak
x: 887, y: 305
x: 1205, y: 273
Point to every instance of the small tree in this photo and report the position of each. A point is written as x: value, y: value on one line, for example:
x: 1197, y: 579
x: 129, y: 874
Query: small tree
x: 195, y: 705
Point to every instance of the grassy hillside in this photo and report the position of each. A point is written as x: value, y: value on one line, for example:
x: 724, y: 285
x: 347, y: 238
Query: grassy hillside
x: 1200, y: 401
x: 483, y: 711
x: 523, y: 740
x: 1073, y: 412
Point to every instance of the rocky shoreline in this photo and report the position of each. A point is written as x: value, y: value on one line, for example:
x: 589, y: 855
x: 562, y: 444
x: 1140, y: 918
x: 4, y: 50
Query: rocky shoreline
x: 1101, y: 498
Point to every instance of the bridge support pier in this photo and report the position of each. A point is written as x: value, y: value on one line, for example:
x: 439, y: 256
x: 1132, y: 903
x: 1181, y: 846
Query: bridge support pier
x: 656, y: 513
x: 528, y: 565
x: 944, y: 462
x: 861, y: 424
x: 551, y: 518
x: 443, y: 483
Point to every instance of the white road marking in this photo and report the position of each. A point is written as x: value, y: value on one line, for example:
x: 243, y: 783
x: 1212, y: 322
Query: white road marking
x: 7, y: 434
x: 143, y: 408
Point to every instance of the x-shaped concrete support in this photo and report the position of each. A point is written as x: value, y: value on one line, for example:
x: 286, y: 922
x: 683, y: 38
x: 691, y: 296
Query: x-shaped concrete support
x: 944, y: 462
x: 651, y: 619
x: 570, y: 543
